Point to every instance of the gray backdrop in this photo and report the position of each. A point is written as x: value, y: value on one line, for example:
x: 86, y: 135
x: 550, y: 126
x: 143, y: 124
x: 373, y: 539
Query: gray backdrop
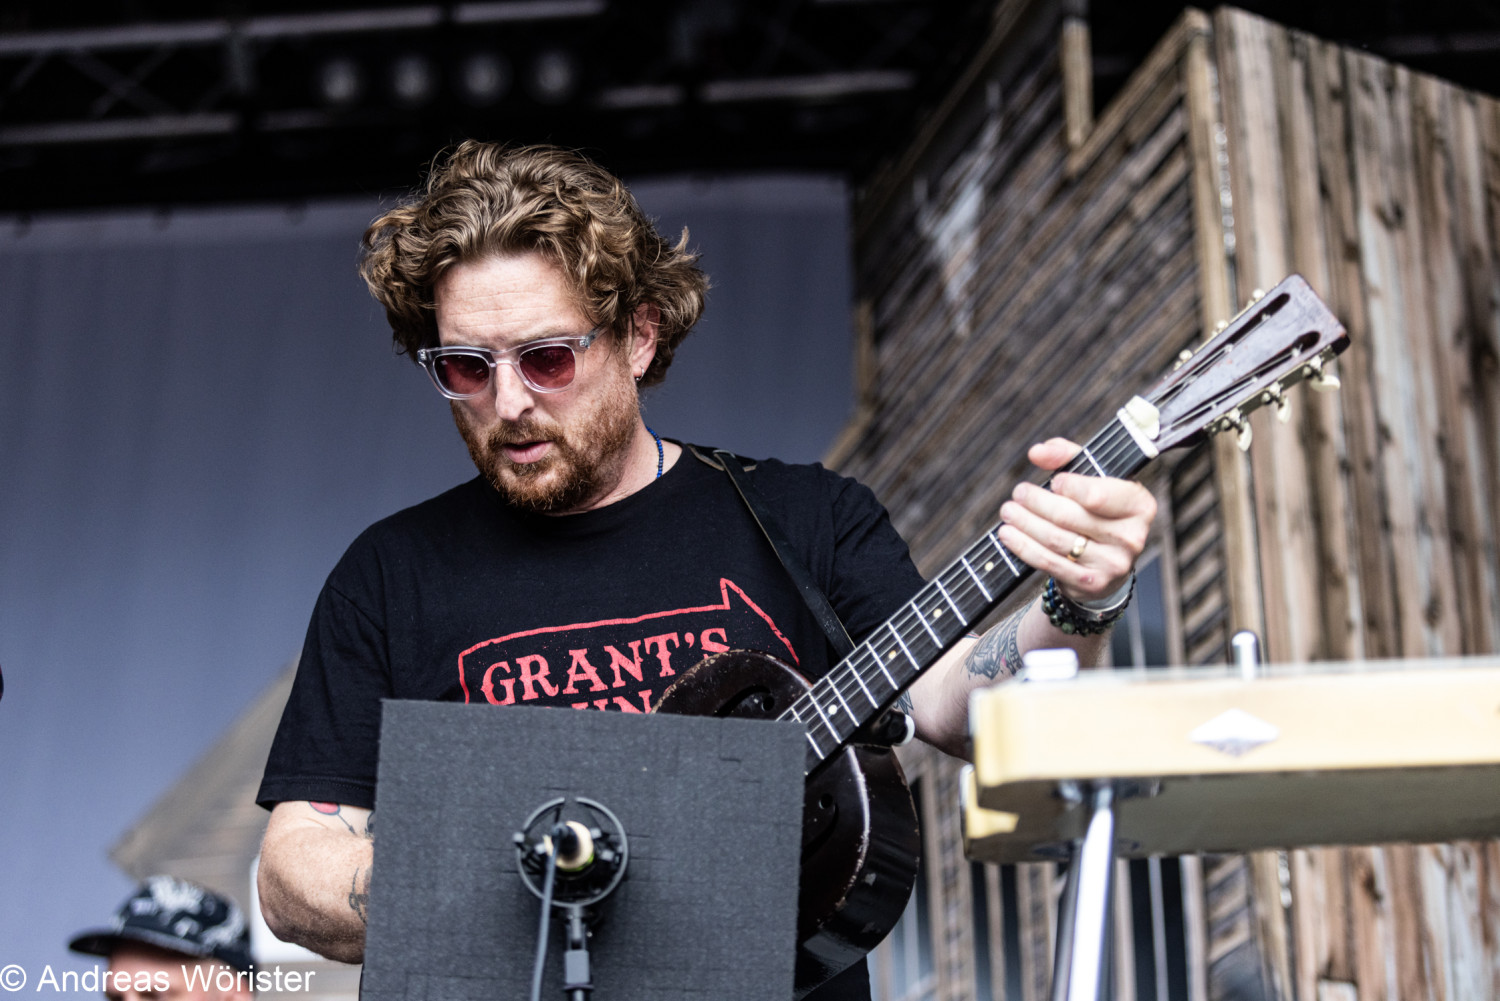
x: 200, y: 409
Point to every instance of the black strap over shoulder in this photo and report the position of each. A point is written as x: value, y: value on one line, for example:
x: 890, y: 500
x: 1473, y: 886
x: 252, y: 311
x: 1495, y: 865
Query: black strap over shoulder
x: 890, y: 728
x: 822, y: 611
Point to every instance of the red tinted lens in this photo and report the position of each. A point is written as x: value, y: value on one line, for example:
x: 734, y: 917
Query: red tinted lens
x: 462, y: 374
x: 550, y: 366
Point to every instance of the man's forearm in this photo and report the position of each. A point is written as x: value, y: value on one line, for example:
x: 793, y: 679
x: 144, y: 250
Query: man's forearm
x: 941, y: 696
x: 314, y: 879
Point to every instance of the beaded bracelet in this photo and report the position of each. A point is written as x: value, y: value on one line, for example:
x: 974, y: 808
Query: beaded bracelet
x: 1072, y: 619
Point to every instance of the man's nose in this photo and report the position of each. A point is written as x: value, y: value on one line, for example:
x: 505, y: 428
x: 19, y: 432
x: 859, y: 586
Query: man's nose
x: 513, y: 398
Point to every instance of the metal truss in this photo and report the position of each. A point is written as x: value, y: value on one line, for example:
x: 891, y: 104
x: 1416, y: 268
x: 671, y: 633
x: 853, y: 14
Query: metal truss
x: 350, y: 99
x: 289, y: 100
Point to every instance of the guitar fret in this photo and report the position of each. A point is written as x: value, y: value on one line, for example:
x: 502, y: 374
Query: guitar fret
x: 1097, y: 468
x: 938, y: 583
x: 925, y: 625
x: 861, y: 682
x: 977, y: 582
x: 881, y: 664
x: 840, y: 695
x: 1004, y: 555
x: 826, y: 722
x: 901, y: 643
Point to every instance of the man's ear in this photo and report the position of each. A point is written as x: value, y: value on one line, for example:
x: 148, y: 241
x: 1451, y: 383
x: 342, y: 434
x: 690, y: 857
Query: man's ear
x: 645, y: 324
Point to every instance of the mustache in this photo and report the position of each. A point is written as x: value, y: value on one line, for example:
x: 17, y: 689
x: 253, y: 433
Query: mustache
x: 519, y: 432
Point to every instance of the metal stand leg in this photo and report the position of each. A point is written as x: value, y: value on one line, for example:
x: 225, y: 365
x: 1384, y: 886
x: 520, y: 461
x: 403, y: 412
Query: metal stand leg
x: 1085, y: 904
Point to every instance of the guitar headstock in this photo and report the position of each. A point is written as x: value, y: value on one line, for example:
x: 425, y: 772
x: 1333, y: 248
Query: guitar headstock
x: 1285, y: 337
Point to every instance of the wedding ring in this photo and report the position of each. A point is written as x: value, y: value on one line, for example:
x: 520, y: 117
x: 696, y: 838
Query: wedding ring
x: 1078, y: 548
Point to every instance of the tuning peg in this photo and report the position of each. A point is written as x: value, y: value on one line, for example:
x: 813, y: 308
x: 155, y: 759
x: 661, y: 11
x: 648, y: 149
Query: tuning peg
x: 1183, y: 357
x: 1322, y: 381
x: 1221, y: 326
x: 1236, y: 420
x: 1275, y: 396
x: 1255, y: 296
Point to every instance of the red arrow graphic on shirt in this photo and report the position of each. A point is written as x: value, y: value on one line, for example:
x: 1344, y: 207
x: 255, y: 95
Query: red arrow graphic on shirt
x: 614, y: 663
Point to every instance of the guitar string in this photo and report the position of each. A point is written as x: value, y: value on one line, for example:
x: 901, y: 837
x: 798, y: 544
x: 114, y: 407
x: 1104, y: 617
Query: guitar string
x: 1114, y: 442
x: 1108, y: 447
x: 847, y: 680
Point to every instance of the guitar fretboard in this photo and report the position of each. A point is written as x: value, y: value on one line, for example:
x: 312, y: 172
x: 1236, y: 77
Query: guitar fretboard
x: 865, y: 683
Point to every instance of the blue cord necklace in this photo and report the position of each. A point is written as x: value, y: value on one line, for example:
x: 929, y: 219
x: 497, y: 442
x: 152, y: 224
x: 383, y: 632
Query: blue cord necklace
x: 661, y: 453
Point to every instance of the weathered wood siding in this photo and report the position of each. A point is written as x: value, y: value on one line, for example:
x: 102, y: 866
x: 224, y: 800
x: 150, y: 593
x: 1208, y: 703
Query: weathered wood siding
x: 1017, y: 281
x: 1017, y: 289
x: 1375, y: 508
x: 1021, y: 271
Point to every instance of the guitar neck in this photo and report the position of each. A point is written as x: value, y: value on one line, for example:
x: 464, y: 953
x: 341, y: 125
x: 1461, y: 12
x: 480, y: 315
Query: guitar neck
x: 867, y: 682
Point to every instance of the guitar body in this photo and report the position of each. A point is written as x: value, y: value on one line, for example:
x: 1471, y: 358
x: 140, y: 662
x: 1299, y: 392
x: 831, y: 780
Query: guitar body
x: 859, y: 826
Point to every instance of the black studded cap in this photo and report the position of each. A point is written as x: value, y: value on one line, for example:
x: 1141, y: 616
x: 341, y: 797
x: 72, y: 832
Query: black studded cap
x: 171, y: 913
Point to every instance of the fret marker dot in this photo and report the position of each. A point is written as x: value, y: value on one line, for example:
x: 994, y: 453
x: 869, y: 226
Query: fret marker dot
x: 989, y: 566
x: 891, y: 655
x: 936, y: 612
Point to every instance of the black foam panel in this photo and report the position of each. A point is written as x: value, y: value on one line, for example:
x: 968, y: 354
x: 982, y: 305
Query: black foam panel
x: 712, y: 809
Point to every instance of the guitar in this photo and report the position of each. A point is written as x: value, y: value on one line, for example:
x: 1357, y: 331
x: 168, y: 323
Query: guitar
x: 859, y: 839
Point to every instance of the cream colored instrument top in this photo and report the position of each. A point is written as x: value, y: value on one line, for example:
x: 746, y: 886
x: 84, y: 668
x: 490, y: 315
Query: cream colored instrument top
x: 1329, y: 754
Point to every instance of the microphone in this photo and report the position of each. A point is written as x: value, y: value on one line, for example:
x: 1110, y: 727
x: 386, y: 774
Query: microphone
x: 575, y: 847
x: 588, y: 850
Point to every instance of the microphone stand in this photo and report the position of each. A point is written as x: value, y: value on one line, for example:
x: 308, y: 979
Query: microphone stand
x: 578, y: 867
x: 576, y: 973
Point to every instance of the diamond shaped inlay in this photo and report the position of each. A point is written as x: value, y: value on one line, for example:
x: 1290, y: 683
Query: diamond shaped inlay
x: 1234, y: 732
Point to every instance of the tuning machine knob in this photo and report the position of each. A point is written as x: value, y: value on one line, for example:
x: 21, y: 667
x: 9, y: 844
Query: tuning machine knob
x: 1319, y: 378
x: 1236, y: 421
x: 1275, y: 396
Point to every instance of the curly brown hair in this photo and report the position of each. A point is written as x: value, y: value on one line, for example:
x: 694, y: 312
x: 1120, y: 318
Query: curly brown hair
x: 488, y: 199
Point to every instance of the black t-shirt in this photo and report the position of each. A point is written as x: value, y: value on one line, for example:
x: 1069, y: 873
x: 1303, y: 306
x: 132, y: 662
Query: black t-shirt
x: 465, y: 599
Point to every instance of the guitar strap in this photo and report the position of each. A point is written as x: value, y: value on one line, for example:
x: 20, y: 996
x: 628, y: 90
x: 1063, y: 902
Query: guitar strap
x: 890, y: 728
x: 828, y: 619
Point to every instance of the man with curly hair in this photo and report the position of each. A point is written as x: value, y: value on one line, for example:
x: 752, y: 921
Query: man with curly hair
x: 592, y: 560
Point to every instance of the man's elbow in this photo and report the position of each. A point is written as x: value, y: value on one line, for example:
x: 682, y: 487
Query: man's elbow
x: 268, y: 890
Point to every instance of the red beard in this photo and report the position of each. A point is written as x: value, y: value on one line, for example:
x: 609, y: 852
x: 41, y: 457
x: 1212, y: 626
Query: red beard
x: 584, y: 463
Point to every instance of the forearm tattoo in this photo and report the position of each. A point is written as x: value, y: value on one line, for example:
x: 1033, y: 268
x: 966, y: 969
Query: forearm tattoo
x: 903, y: 702
x: 998, y: 652
x: 359, y: 896
x: 334, y: 810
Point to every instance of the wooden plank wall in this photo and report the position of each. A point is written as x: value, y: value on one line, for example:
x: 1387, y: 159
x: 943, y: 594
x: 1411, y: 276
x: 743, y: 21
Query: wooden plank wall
x: 1017, y: 282
x: 1020, y: 272
x: 1375, y: 508
x: 1017, y: 289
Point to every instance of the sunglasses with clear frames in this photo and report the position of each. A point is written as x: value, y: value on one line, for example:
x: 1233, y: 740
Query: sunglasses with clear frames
x: 547, y: 365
